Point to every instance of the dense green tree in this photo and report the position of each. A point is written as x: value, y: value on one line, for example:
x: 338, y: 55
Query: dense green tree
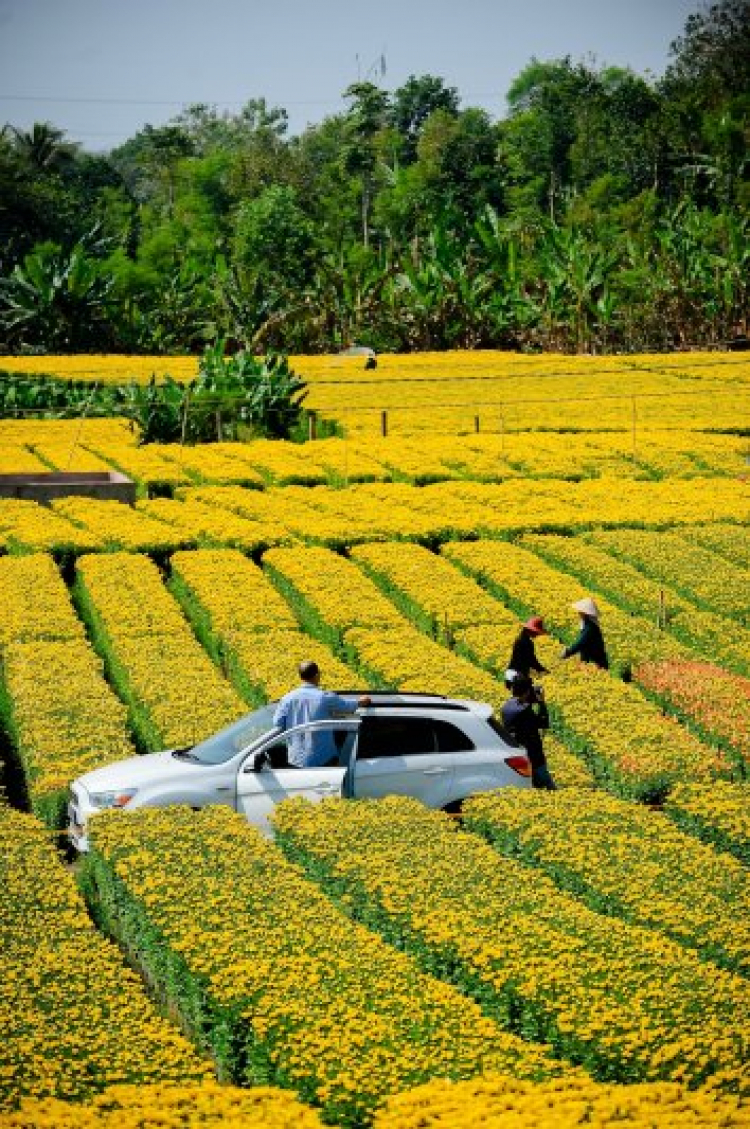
x: 57, y: 300
x: 274, y: 239
x: 412, y: 105
x: 366, y: 119
x: 711, y: 59
x: 544, y: 103
x: 606, y: 210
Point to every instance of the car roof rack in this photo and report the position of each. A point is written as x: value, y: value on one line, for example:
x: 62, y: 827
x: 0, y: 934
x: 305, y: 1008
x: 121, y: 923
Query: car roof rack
x: 391, y: 699
x: 391, y: 693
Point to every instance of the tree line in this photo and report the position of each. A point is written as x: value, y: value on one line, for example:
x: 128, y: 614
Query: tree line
x: 606, y: 211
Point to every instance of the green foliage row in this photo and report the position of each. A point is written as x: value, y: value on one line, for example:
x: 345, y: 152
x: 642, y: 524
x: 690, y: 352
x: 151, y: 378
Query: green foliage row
x: 229, y: 393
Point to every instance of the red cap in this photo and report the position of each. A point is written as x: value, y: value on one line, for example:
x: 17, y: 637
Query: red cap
x: 536, y: 625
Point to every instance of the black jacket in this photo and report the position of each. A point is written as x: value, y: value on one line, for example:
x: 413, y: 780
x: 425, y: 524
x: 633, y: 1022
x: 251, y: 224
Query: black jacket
x: 524, y: 723
x: 523, y: 656
x: 589, y: 645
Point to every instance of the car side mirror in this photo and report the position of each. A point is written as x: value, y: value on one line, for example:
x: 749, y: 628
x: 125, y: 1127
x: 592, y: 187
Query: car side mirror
x: 259, y: 762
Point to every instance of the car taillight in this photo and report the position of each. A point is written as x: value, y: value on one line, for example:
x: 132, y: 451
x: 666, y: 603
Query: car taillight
x: 521, y: 765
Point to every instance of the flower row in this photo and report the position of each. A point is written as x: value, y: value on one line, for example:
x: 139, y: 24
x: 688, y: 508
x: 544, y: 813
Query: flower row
x: 378, y: 511
x: 196, y: 523
x: 651, y: 873
x: 729, y: 540
x: 34, y: 602
x: 331, y: 517
x: 245, y: 623
x: 74, y: 1017
x: 15, y: 459
x: 719, y: 703
x: 280, y: 985
x: 623, y: 1001
x: 697, y: 573
x: 64, y: 432
x: 331, y: 593
x: 176, y: 694
x: 62, y: 718
x: 56, y: 704
x: 719, y: 815
x: 116, y: 526
x: 486, y: 457
x: 432, y: 592
x: 27, y: 525
x: 506, y: 1103
x: 523, y: 581
x: 168, y: 1104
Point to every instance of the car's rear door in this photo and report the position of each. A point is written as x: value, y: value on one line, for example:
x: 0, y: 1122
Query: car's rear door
x: 397, y: 754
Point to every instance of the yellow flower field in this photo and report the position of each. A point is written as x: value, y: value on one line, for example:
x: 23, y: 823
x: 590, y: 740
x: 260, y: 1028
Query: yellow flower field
x: 651, y: 873
x: 445, y: 391
x: 556, y: 959
x: 703, y: 577
x: 309, y: 999
x: 178, y: 1106
x: 708, y: 633
x: 175, y: 693
x: 63, y: 982
x: 720, y: 815
x: 597, y: 989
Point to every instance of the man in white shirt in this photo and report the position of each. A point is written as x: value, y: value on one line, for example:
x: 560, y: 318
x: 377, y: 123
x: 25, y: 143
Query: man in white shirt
x: 309, y: 703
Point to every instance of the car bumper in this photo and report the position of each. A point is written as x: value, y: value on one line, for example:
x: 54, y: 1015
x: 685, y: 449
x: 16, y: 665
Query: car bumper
x: 77, y: 828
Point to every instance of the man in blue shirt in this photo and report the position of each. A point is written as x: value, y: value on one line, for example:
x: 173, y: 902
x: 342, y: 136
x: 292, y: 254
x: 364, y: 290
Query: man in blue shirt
x: 309, y: 703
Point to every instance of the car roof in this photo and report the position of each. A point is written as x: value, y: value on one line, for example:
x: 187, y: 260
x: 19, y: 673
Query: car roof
x: 392, y: 699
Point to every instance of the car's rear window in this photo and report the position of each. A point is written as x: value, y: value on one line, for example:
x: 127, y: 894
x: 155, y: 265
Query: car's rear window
x: 451, y: 739
x: 502, y: 732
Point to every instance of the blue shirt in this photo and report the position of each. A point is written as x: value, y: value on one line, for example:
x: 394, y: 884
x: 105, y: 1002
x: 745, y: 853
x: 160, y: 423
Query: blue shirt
x: 310, y: 703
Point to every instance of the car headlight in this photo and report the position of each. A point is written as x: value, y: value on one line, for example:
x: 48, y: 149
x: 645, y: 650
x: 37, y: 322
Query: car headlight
x: 119, y: 799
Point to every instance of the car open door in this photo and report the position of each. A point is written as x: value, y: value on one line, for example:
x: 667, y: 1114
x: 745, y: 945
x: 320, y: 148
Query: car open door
x: 266, y: 778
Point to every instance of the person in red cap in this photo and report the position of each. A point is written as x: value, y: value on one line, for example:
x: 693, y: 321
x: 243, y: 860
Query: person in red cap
x: 523, y: 658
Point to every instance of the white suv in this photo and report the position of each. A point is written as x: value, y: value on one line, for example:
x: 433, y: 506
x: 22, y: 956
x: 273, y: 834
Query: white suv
x: 439, y: 750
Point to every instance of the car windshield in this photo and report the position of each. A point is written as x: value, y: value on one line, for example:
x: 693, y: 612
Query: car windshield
x: 223, y: 745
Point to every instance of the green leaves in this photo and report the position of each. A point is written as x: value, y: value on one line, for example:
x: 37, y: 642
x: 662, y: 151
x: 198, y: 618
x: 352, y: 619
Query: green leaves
x: 263, y: 397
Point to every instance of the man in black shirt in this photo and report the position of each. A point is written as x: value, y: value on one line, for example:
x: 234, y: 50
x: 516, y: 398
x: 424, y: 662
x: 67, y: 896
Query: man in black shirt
x: 525, y: 723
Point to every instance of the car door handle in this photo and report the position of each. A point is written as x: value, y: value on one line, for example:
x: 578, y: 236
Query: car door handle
x: 434, y: 771
x: 224, y: 788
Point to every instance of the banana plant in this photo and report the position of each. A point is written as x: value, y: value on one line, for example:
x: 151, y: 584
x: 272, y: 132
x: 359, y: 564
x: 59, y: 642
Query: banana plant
x: 575, y: 274
x: 56, y: 300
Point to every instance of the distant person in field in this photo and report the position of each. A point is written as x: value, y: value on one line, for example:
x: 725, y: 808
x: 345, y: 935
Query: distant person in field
x: 523, y: 658
x: 309, y: 703
x: 590, y: 643
x: 525, y: 716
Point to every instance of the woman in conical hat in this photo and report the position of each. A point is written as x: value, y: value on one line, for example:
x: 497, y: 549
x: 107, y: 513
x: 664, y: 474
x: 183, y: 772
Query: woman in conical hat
x: 590, y: 642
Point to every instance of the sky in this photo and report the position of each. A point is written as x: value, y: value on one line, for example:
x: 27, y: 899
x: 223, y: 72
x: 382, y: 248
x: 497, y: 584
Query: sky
x: 102, y: 69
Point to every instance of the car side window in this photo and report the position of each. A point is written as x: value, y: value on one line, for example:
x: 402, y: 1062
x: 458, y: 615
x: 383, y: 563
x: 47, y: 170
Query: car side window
x: 277, y: 755
x: 395, y: 737
x: 451, y: 739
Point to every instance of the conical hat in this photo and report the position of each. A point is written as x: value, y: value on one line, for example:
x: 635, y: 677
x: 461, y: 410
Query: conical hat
x: 587, y: 607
